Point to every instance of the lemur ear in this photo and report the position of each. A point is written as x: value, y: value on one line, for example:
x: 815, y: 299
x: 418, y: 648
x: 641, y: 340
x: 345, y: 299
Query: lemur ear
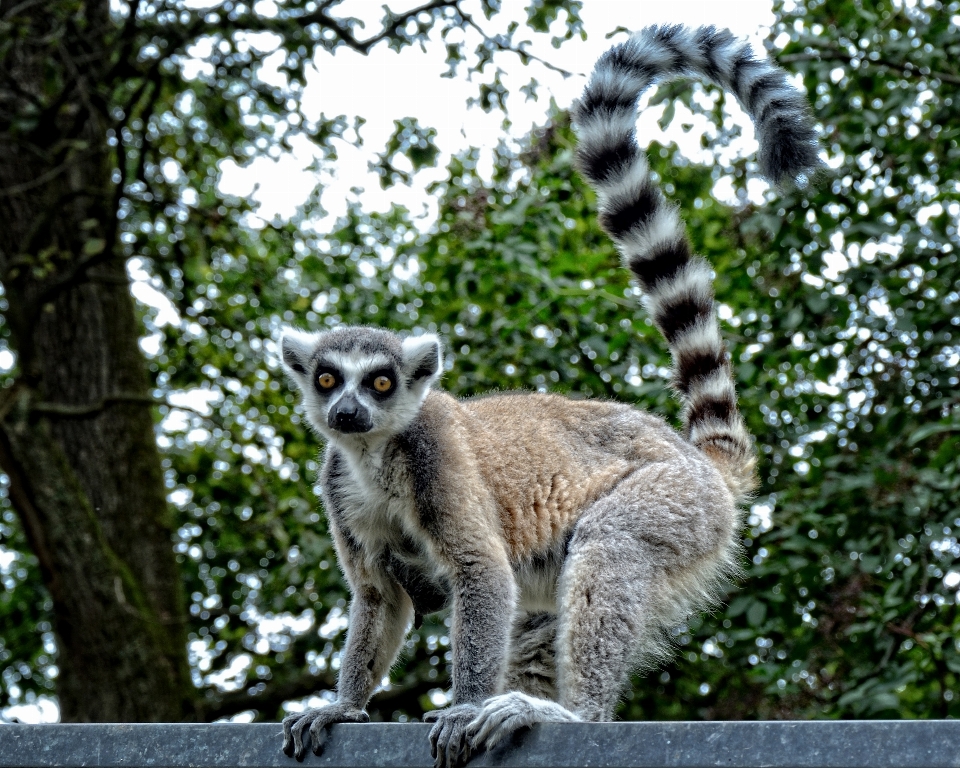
x: 422, y: 356
x: 296, y: 348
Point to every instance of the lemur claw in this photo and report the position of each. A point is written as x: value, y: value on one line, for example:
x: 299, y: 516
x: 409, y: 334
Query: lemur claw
x: 318, y: 721
x: 502, y: 715
x: 448, y: 738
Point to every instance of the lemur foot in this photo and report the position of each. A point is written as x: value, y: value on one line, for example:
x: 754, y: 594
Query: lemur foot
x: 318, y: 720
x: 448, y: 739
x: 509, y: 712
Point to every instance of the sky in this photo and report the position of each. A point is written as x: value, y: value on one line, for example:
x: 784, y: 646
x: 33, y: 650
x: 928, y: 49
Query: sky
x: 385, y: 86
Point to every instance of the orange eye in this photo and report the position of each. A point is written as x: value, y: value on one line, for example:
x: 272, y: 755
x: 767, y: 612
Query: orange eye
x: 327, y: 380
x: 382, y: 384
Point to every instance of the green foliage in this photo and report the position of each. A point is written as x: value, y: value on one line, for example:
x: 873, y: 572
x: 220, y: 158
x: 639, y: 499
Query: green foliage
x: 412, y: 141
x: 182, y: 91
x: 845, y: 330
x: 841, y: 310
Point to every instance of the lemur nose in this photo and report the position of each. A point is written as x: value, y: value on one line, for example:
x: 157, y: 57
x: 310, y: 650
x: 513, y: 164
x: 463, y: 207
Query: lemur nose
x: 348, y: 415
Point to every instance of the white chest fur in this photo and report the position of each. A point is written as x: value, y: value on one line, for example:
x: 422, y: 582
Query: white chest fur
x: 377, y: 497
x: 377, y: 507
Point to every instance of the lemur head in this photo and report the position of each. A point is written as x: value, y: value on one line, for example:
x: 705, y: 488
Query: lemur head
x: 361, y: 382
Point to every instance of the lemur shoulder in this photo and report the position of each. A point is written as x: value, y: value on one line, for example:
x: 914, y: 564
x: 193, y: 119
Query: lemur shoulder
x: 565, y: 535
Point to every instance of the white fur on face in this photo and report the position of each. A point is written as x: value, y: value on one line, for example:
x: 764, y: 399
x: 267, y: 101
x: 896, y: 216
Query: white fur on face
x: 390, y: 416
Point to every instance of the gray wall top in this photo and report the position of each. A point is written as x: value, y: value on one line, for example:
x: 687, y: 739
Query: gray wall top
x: 819, y: 744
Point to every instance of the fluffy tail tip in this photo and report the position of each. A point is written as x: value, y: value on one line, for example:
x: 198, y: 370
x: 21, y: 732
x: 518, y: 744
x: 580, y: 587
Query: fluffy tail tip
x: 791, y: 153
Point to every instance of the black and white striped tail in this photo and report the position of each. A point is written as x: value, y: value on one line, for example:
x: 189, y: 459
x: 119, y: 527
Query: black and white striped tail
x: 648, y: 231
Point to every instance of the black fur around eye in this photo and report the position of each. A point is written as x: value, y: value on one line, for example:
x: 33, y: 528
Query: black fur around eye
x: 381, y: 383
x: 326, y: 380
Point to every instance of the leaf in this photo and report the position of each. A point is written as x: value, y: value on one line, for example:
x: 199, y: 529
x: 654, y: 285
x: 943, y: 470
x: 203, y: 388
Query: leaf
x: 738, y: 605
x: 756, y: 613
x: 93, y: 246
x: 933, y: 429
x: 668, y: 114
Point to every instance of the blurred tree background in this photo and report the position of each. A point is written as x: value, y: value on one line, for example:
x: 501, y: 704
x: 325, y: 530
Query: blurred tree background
x: 183, y: 571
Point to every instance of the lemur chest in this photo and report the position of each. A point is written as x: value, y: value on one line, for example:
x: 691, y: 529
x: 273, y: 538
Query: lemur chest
x: 376, y: 500
x: 376, y: 506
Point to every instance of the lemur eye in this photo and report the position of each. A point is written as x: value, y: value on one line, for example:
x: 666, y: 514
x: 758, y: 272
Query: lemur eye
x: 327, y: 380
x: 382, y: 384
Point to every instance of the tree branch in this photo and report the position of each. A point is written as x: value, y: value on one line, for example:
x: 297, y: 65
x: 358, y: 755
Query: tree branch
x: 190, y: 409
x: 267, y: 702
x: 23, y: 501
x: 399, y: 697
x: 39, y: 181
x: 79, y: 411
x: 67, y: 411
x: 830, y: 53
x: 251, y: 22
x: 321, y: 19
x: 16, y: 10
x: 498, y: 43
x: 9, y: 397
x: 128, y: 35
x: 274, y: 696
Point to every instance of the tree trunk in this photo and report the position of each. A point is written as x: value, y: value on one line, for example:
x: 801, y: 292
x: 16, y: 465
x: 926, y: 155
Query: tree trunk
x: 76, y: 432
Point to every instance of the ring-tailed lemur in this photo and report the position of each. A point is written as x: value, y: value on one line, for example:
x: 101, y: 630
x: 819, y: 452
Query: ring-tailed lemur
x: 565, y: 534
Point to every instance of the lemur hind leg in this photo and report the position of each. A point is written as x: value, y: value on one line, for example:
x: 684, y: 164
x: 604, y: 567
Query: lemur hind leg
x: 639, y: 561
x: 530, y: 684
x: 532, y: 664
x: 642, y: 558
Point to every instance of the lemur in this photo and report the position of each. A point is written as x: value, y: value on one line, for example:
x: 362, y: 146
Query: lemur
x: 565, y: 535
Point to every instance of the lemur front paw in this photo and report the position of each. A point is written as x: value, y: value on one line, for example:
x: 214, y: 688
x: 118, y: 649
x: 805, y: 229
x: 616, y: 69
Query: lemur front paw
x: 448, y: 739
x: 509, y: 712
x: 318, y: 720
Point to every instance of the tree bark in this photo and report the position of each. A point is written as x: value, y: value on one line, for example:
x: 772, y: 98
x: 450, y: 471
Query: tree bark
x: 76, y: 431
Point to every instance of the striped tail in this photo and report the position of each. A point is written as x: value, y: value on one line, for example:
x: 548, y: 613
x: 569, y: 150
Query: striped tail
x: 648, y: 231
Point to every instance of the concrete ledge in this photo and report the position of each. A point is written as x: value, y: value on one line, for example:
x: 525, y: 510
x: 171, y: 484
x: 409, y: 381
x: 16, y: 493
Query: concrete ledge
x: 820, y: 744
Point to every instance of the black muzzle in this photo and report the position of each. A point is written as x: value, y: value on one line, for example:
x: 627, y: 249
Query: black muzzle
x: 349, y: 416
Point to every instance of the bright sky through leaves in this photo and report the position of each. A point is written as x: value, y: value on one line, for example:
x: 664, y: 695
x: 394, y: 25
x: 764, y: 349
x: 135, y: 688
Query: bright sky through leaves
x: 385, y: 86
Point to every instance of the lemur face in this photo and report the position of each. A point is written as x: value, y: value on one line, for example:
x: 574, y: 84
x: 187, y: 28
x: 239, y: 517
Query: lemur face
x: 356, y: 390
x: 360, y: 381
